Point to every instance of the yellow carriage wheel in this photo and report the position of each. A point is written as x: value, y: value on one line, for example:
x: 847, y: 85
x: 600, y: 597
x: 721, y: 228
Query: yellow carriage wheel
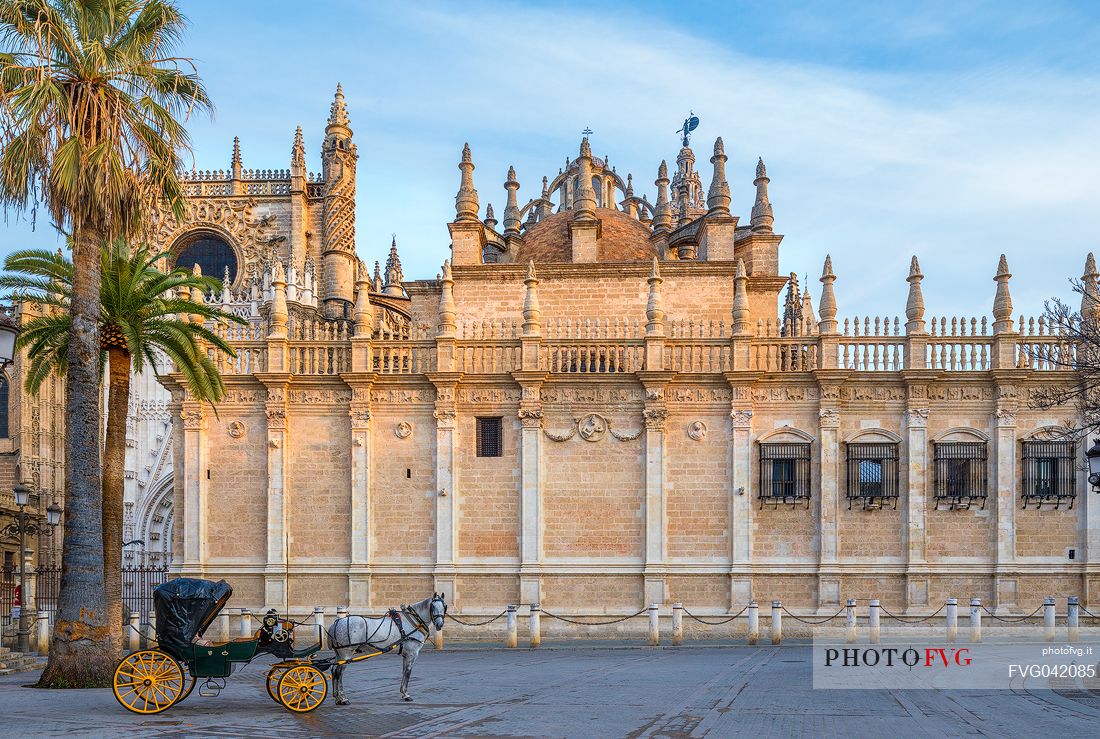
x: 273, y: 677
x: 302, y: 688
x: 149, y: 681
x: 189, y: 681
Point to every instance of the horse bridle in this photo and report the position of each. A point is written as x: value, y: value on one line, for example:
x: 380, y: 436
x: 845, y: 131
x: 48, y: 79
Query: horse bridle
x: 418, y: 621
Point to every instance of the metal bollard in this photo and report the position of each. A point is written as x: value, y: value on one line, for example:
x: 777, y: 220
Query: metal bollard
x: 677, y: 624
x: 952, y: 619
x: 1073, y: 615
x: 873, y: 621
x: 223, y: 625
x: 319, y: 623
x: 754, y: 623
x: 512, y: 639
x: 43, y: 632
x: 134, y: 631
x: 437, y: 639
x: 341, y: 612
x: 975, y: 620
x: 777, y: 621
x: 536, y: 631
x: 246, y: 622
x: 1048, y: 618
x: 654, y: 626
x: 850, y: 620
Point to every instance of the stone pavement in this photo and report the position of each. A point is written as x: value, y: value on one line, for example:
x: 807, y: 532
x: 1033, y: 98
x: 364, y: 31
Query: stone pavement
x: 570, y: 692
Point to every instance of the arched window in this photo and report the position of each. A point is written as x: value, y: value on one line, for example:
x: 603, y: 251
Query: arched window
x: 5, y: 396
x: 212, y: 255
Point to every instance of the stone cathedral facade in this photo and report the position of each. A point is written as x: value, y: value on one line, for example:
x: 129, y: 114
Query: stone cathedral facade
x: 603, y: 401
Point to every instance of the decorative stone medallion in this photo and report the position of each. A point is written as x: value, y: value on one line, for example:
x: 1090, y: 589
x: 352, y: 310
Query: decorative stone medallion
x: 592, y: 427
x: 403, y: 430
x: 697, y: 430
x: 236, y: 429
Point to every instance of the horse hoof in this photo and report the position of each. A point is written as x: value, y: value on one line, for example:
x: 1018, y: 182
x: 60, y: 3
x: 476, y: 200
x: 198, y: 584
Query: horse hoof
x: 408, y: 699
x: 342, y: 701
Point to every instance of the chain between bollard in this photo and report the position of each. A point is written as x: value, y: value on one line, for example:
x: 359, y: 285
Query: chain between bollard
x: 458, y: 620
x: 594, y: 623
x: 720, y: 622
x: 1087, y: 612
x: 1016, y: 619
x: 813, y: 622
x: 914, y: 619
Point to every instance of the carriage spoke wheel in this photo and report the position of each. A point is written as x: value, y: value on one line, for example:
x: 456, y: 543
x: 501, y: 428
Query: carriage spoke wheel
x: 302, y: 688
x: 149, y: 682
x: 273, y: 677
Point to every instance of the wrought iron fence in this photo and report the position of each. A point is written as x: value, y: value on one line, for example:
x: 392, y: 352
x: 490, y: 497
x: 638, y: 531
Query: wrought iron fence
x: 138, y: 581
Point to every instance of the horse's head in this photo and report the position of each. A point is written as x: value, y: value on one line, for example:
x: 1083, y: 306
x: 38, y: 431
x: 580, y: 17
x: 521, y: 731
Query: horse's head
x: 438, y: 610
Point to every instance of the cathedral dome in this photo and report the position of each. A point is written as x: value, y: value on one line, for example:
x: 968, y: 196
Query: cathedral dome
x: 622, y: 239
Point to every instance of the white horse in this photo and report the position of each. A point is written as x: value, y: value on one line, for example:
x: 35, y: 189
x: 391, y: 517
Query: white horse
x: 402, y: 630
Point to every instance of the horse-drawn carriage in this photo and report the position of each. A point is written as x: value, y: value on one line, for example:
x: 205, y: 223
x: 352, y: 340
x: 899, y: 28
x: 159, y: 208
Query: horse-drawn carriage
x: 155, y: 679
x: 152, y: 680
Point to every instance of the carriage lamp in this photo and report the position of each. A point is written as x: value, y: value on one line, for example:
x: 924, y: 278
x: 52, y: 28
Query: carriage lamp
x: 1093, y: 456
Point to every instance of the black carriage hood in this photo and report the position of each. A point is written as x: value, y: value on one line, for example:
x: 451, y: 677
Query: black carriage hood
x: 185, y: 607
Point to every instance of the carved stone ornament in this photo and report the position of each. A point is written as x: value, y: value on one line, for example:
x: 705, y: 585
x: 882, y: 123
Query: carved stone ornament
x: 1005, y: 417
x: 530, y: 417
x: 192, y: 420
x: 403, y: 430
x: 742, y: 418
x: 236, y: 429
x: 830, y: 417
x: 655, y: 418
x: 592, y: 427
x: 359, y: 416
x: 697, y: 431
x: 561, y: 437
x: 627, y: 437
x: 275, y: 442
x: 917, y: 417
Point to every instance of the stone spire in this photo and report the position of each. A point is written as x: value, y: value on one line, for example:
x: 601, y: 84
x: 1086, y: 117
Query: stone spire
x: 584, y: 199
x: 654, y: 310
x: 827, y: 310
x: 531, y: 312
x: 227, y: 296
x: 629, y: 185
x: 914, y: 307
x: 466, y: 206
x: 792, y: 308
x: 279, y: 313
x: 1002, y: 302
x: 740, y: 300
x: 377, y: 281
x: 809, y: 320
x: 662, y: 210
x: 298, y: 153
x: 447, y: 303
x: 545, y: 204
x: 490, y: 217
x: 236, y: 163
x: 197, y: 296
x: 511, y: 209
x: 394, y: 275
x: 1090, y: 294
x: 762, y: 209
x: 363, y: 314
x: 718, y: 197
x: 338, y: 113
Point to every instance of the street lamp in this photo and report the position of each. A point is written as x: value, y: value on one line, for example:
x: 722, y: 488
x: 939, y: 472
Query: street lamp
x: 1093, y: 456
x: 9, y: 329
x: 22, y: 527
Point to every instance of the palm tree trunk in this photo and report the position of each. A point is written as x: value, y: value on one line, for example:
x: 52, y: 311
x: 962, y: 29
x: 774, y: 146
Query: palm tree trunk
x: 114, y: 471
x: 80, y: 652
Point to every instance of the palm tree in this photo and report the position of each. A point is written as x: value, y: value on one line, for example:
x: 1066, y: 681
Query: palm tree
x: 143, y: 315
x: 91, y: 103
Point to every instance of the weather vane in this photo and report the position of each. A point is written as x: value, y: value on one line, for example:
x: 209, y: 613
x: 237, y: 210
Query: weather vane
x: 690, y: 124
x: 587, y: 131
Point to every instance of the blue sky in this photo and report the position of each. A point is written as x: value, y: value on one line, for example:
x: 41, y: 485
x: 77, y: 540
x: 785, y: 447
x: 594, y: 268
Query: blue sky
x: 951, y: 130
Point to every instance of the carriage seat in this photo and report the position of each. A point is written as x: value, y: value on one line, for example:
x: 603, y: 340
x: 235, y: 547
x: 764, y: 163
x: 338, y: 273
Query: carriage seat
x: 222, y: 642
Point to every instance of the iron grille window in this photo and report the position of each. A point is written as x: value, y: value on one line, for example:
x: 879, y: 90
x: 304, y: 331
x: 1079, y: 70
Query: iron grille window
x: 872, y: 474
x: 784, y: 473
x: 1049, y: 476
x: 212, y: 255
x: 490, y: 437
x: 960, y: 472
